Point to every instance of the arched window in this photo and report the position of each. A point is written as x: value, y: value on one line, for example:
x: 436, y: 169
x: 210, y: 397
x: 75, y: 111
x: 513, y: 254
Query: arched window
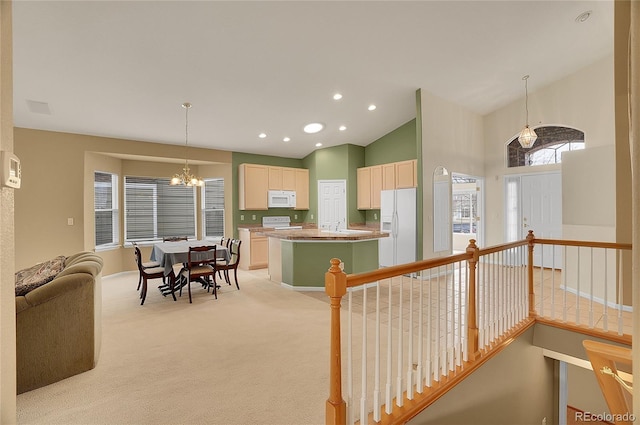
x: 547, y: 149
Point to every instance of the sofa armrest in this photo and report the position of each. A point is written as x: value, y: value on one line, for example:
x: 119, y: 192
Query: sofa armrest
x: 56, y: 288
x: 87, y: 266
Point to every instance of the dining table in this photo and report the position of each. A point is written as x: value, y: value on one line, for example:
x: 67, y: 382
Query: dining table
x: 168, y: 254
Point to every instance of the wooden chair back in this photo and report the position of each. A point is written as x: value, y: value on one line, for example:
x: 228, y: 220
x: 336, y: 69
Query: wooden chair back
x: 174, y: 238
x: 234, y: 252
x: 195, y: 260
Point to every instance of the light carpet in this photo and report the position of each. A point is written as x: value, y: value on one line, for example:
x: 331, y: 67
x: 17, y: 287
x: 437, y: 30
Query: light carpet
x: 259, y: 355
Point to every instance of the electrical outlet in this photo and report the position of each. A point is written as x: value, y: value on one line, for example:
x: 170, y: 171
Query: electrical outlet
x: 70, y: 221
x: 295, y: 216
x: 375, y: 216
x: 253, y: 217
x: 241, y: 217
x: 311, y: 216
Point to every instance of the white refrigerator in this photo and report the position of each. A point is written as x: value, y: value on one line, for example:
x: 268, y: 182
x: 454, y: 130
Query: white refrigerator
x: 398, y: 219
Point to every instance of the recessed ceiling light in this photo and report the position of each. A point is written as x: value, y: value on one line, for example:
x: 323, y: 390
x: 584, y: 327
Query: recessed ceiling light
x: 313, y: 127
x: 371, y: 107
x: 286, y: 139
x: 262, y: 135
x: 342, y: 128
x: 318, y: 144
x: 337, y: 96
x: 583, y: 16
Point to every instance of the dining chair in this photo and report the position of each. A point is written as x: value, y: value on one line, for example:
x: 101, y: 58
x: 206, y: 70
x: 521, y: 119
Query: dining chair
x: 146, y: 274
x: 202, y: 270
x: 234, y: 260
x: 174, y: 238
x: 221, y: 261
x: 145, y: 265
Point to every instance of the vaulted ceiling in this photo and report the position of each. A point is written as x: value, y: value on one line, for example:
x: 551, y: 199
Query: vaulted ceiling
x: 123, y: 69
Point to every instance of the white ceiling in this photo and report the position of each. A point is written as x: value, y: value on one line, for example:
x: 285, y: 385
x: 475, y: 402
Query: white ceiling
x: 123, y: 69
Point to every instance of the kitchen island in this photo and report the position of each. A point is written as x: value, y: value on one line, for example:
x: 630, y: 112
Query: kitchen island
x: 299, y: 258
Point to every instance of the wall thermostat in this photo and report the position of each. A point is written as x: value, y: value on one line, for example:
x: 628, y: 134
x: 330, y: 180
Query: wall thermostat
x: 10, y: 170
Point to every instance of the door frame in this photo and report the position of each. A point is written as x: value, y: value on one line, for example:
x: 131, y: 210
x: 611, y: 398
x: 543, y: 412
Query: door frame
x: 480, y: 209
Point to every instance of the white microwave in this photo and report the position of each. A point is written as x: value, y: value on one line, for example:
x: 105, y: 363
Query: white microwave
x: 282, y: 199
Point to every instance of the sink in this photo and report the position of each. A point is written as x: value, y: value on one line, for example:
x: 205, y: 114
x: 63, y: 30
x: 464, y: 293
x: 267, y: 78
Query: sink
x: 348, y: 231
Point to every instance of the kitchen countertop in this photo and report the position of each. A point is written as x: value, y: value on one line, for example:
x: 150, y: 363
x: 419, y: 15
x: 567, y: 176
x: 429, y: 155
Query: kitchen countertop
x: 323, y: 235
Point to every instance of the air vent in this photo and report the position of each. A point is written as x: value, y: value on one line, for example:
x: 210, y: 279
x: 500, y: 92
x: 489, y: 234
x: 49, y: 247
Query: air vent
x: 38, y: 107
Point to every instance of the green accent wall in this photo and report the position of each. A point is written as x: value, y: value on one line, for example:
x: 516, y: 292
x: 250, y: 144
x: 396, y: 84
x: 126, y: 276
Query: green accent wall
x: 398, y: 145
x: 305, y: 263
x: 336, y: 163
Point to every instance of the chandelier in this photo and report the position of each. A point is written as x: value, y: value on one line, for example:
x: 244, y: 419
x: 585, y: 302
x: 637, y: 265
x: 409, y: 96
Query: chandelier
x: 527, y: 136
x: 186, y: 178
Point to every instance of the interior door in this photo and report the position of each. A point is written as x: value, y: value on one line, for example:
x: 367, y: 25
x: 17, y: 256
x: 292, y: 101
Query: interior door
x: 332, y: 204
x: 542, y: 213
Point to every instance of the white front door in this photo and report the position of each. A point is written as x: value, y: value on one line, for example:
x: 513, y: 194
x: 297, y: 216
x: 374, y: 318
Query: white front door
x: 534, y: 202
x: 332, y: 204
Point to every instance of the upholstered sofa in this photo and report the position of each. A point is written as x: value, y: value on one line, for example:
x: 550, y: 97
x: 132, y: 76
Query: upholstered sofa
x: 58, y: 319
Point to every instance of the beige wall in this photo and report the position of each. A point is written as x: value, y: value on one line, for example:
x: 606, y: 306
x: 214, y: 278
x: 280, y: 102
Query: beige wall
x: 452, y: 138
x: 58, y: 184
x: 583, y: 100
x: 7, y: 231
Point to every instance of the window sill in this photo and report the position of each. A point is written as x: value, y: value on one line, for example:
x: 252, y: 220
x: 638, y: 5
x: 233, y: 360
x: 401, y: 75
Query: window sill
x: 102, y: 248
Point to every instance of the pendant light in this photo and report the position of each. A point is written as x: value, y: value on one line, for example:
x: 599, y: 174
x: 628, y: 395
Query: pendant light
x: 186, y: 178
x: 527, y: 136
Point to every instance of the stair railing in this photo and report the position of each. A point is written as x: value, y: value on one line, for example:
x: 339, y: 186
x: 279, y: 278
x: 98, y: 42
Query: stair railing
x: 414, y: 330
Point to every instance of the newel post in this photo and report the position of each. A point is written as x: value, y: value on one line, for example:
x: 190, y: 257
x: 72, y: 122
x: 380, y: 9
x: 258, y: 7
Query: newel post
x: 532, y: 304
x: 335, y: 285
x: 473, y: 351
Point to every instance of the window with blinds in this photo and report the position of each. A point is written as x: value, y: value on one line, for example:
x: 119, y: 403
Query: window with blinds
x: 213, y: 208
x: 105, y: 199
x: 154, y: 209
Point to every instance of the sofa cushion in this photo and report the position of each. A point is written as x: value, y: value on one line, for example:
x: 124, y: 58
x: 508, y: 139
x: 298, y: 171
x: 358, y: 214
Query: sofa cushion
x: 33, y: 277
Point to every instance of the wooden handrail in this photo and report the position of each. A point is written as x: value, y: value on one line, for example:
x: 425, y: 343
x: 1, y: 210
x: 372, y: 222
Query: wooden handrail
x: 608, y: 356
x: 501, y: 247
x: 358, y: 279
x: 589, y: 244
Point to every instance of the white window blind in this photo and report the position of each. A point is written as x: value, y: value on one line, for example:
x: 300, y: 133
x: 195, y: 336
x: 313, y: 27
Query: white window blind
x: 213, y: 208
x: 155, y: 210
x: 105, y: 196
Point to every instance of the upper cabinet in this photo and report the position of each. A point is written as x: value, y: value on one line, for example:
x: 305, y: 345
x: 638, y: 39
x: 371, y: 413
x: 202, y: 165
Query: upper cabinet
x: 364, y: 188
x: 372, y: 180
x: 301, y: 186
x: 253, y: 184
x: 406, y: 174
x: 369, y: 187
x: 282, y: 178
x: 388, y: 176
x: 275, y: 178
x: 256, y: 180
